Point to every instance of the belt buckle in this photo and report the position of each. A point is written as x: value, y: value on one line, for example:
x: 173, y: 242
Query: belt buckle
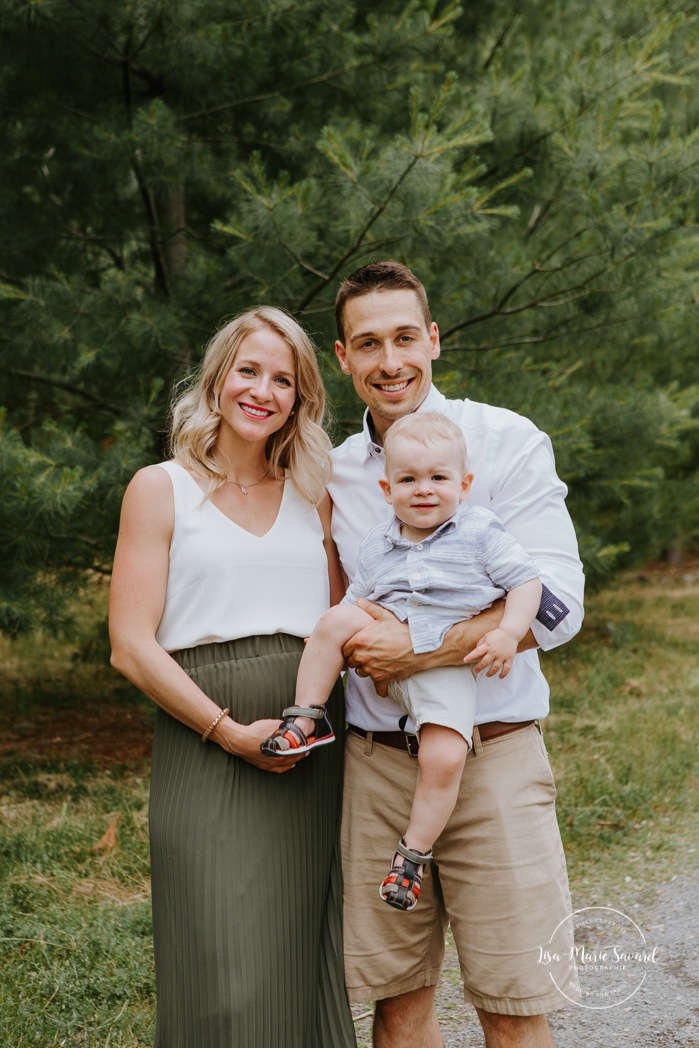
x: 411, y: 740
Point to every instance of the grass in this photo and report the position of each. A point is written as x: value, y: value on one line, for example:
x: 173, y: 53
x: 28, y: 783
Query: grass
x: 624, y: 731
x: 75, y: 947
x: 76, y: 964
x: 75, y: 929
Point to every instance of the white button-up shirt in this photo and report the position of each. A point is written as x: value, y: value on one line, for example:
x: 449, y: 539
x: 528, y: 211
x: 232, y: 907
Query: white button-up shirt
x: 514, y: 477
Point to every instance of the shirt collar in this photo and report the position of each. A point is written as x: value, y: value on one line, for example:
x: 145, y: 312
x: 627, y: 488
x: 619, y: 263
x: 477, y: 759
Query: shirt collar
x: 393, y: 536
x: 434, y: 401
x: 374, y: 449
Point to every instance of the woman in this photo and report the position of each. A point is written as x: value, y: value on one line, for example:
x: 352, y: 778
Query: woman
x: 224, y: 563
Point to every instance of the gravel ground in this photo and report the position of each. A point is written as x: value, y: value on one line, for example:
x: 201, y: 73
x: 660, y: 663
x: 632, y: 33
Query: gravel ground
x: 663, y: 1013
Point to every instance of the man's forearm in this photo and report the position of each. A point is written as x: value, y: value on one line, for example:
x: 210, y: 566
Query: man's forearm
x: 464, y: 636
x: 383, y: 651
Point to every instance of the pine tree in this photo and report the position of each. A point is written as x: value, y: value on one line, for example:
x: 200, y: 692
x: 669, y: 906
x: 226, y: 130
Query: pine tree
x: 167, y: 165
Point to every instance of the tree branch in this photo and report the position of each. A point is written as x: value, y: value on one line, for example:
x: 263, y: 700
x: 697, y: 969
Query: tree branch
x: 296, y: 257
x: 287, y: 89
x: 527, y: 340
x: 86, y: 238
x: 352, y: 250
x: 501, y: 39
x: 549, y: 300
x: 584, y: 107
x: 159, y: 268
x: 68, y: 387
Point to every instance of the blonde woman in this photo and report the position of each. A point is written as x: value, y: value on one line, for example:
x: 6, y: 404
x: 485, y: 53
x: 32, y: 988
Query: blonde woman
x: 223, y: 565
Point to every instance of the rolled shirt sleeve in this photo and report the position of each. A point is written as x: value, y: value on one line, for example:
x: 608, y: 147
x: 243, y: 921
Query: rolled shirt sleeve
x: 530, y: 501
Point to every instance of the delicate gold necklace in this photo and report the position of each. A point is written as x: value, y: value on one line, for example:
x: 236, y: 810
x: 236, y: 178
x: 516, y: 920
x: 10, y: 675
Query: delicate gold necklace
x: 245, y: 487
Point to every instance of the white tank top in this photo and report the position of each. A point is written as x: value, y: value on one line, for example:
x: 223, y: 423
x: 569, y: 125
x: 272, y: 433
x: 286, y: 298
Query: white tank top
x: 224, y: 582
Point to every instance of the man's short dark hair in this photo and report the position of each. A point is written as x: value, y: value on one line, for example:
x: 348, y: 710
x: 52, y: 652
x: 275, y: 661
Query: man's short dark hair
x: 378, y: 276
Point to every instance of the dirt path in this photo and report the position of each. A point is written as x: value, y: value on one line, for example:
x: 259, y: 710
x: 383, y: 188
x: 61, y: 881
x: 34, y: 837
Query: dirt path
x: 107, y: 734
x: 662, y: 1013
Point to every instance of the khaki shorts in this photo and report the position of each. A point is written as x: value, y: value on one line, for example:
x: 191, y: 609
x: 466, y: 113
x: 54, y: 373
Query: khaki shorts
x: 498, y: 877
x: 444, y: 695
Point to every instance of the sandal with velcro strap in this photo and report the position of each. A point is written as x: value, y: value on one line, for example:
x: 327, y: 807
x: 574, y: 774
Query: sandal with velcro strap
x: 402, y: 886
x: 289, y: 739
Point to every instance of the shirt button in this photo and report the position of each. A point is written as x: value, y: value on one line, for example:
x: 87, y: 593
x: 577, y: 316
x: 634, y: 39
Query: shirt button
x: 419, y: 546
x: 412, y: 603
x: 417, y: 575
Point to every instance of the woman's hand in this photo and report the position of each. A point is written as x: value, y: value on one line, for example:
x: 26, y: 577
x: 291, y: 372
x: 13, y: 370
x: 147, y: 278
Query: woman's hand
x: 244, y: 740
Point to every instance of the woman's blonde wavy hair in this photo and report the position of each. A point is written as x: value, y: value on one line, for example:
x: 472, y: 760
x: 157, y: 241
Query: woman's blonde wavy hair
x: 301, y: 446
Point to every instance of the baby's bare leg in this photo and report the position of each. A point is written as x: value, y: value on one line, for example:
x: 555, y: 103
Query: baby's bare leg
x: 322, y: 658
x: 441, y: 758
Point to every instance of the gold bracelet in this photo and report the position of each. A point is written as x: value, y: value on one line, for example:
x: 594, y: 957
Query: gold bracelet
x: 219, y: 717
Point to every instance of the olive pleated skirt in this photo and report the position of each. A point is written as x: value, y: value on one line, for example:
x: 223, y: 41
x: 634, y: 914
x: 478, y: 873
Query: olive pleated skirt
x: 245, y: 870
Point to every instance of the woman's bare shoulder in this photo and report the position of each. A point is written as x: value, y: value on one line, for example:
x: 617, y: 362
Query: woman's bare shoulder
x: 150, y: 477
x: 149, y: 498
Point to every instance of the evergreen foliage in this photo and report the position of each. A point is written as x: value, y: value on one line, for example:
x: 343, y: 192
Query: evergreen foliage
x: 166, y: 165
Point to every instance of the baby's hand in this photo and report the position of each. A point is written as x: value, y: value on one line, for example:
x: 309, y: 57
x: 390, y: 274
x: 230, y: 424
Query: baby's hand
x: 495, y: 650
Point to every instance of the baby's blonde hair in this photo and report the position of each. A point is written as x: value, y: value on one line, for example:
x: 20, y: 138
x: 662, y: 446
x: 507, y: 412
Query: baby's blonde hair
x: 427, y: 427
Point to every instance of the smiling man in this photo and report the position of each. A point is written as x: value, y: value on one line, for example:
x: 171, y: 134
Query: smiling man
x: 498, y: 874
x: 390, y: 343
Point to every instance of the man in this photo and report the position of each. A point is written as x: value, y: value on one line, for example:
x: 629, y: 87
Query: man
x: 498, y: 874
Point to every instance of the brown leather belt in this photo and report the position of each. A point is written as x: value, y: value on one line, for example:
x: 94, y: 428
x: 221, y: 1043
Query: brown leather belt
x: 403, y: 740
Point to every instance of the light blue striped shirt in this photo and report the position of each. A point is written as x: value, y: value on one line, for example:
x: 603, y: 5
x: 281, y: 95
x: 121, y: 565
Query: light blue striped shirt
x: 468, y: 562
